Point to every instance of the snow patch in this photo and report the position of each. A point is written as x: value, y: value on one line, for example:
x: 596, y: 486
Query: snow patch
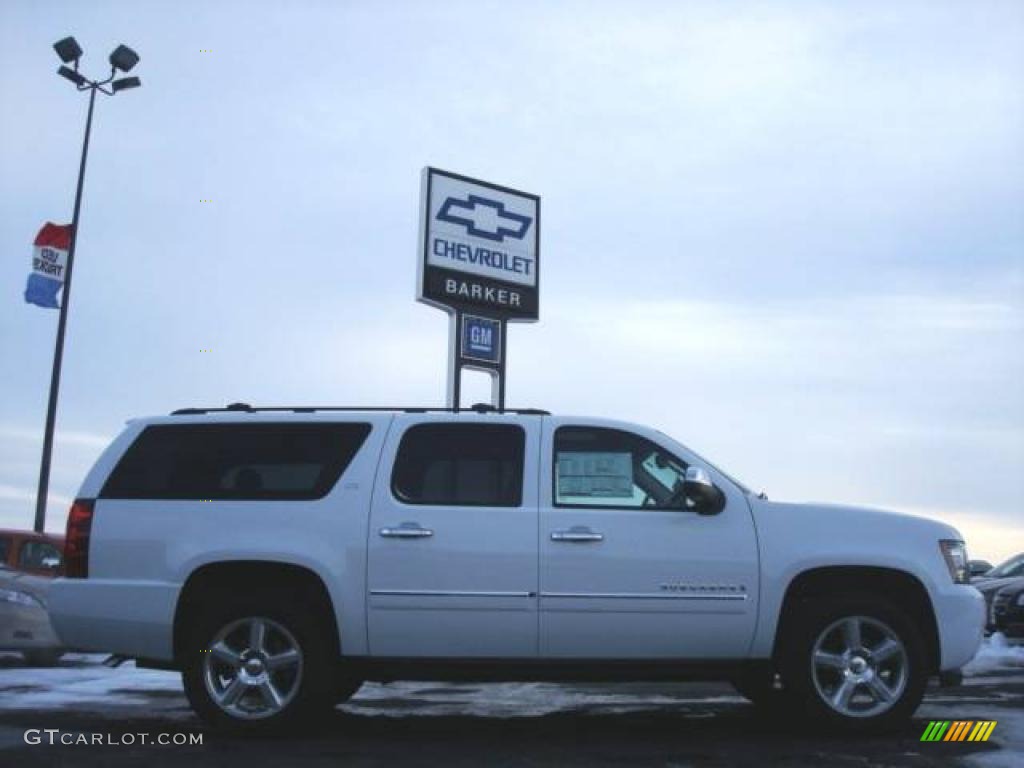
x: 996, y: 654
x: 81, y: 681
x: 514, y: 700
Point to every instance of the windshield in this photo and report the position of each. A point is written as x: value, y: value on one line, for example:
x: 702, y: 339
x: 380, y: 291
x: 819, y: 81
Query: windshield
x: 718, y: 469
x: 1012, y: 567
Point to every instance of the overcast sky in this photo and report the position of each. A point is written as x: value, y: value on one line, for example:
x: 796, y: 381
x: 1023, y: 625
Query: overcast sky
x: 790, y: 234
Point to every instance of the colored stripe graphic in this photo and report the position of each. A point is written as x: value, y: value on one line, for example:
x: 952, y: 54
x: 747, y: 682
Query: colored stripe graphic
x: 983, y: 731
x: 959, y: 726
x: 935, y: 730
x: 958, y: 730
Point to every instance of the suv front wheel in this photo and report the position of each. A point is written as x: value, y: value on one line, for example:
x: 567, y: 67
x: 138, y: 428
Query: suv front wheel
x: 855, y: 662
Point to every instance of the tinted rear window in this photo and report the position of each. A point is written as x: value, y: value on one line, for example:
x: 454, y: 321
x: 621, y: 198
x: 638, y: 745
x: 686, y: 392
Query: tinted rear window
x: 235, y: 461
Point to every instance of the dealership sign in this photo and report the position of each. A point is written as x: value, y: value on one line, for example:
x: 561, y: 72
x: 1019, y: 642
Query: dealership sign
x: 479, y: 260
x: 479, y: 247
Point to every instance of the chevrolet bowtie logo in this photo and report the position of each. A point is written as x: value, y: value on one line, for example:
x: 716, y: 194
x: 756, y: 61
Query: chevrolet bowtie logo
x: 484, y: 218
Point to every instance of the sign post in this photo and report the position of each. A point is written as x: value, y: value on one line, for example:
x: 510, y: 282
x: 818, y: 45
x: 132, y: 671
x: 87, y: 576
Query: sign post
x: 479, y: 261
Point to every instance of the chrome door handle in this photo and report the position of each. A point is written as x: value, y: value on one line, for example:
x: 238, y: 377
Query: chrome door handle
x: 406, y: 531
x: 577, y: 535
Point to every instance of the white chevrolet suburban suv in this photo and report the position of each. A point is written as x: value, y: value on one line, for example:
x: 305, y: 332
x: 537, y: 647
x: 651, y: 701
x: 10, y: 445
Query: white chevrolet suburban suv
x: 279, y: 557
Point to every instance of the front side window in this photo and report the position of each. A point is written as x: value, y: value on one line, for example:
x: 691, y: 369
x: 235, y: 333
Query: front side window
x: 460, y: 465
x: 264, y: 461
x: 5, y: 548
x: 599, y: 467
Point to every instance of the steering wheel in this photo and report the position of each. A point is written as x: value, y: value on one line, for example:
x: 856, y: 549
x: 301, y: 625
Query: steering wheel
x: 678, y: 498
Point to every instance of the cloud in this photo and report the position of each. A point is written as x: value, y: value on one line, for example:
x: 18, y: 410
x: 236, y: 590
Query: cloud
x: 989, y: 537
x: 787, y: 233
x: 13, y: 493
x: 61, y: 437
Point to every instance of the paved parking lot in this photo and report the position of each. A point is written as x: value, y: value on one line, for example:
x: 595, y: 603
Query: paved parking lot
x: 492, y: 725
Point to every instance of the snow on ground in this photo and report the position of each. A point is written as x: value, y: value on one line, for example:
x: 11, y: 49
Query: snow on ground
x: 504, y: 700
x: 996, y: 654
x: 82, y: 682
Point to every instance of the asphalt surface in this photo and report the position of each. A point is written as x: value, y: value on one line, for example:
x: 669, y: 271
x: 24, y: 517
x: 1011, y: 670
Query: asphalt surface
x: 570, y: 725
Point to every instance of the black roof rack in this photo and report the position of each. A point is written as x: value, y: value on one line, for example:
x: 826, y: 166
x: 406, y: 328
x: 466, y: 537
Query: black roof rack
x: 246, y: 408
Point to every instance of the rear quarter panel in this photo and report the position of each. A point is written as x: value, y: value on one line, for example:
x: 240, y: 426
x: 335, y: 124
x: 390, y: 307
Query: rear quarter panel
x: 143, y: 551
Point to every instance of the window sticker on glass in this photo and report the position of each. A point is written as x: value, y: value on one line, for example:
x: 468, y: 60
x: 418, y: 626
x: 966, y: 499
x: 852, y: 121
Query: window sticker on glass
x: 596, y: 475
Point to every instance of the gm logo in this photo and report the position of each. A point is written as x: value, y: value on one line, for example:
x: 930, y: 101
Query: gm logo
x: 481, y: 339
x: 484, y: 218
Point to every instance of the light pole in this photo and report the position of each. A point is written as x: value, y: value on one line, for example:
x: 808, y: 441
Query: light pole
x: 121, y: 59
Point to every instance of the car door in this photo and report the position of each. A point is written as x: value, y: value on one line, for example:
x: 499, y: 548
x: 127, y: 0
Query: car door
x: 453, y: 538
x: 626, y: 570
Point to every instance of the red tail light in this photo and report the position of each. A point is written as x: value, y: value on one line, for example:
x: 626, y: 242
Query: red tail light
x: 76, y: 540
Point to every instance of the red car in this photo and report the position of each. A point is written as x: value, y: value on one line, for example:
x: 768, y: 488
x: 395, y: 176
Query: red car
x: 37, y: 553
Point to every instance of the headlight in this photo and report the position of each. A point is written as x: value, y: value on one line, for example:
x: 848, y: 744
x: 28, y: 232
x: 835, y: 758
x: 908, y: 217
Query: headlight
x: 1020, y: 599
x: 19, y: 598
x: 955, y: 554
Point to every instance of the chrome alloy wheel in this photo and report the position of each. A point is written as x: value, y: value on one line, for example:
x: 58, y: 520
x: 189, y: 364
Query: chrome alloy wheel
x: 859, y: 666
x: 253, y: 668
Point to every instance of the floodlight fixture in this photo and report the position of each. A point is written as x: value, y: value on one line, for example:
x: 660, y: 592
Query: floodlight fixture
x: 71, y: 75
x: 123, y: 58
x: 125, y: 82
x: 68, y: 49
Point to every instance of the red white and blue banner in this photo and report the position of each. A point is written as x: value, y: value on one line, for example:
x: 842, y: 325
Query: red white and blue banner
x: 49, y: 263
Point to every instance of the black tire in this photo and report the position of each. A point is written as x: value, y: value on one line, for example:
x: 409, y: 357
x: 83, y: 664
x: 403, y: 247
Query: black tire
x: 310, y: 684
x: 42, y: 658
x: 816, y: 689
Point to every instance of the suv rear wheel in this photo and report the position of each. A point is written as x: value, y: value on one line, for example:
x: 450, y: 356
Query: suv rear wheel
x: 259, y: 668
x: 855, y: 662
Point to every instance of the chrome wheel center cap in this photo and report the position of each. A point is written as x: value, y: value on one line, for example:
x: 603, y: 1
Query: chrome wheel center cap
x: 253, y: 670
x: 859, y: 669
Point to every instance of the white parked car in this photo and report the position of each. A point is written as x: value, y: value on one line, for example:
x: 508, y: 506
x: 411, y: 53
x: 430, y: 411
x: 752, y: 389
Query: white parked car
x: 24, y: 623
x: 280, y: 557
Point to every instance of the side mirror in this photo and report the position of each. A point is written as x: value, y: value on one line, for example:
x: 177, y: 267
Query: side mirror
x: 707, y: 497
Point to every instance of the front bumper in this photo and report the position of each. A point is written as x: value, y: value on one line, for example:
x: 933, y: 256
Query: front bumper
x: 960, y: 616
